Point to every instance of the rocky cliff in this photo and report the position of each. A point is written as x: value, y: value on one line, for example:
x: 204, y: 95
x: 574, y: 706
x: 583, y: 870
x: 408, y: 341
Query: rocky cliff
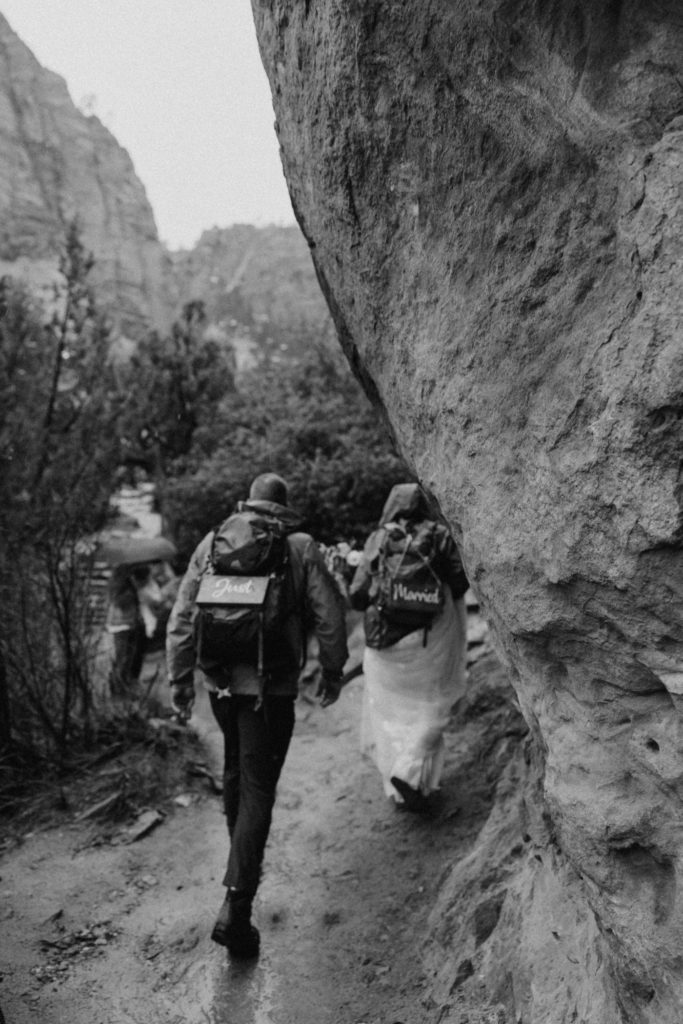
x: 57, y: 163
x: 492, y: 195
x: 259, y: 288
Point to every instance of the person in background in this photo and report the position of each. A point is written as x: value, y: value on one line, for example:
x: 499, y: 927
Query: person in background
x: 126, y: 623
x: 413, y: 673
x: 256, y: 716
x: 156, y: 600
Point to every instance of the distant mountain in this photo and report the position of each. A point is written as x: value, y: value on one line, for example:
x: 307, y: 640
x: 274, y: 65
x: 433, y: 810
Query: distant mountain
x: 259, y: 286
x: 56, y: 162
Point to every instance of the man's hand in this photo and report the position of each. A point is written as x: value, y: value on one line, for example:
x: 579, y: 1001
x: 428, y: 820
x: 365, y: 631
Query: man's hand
x: 330, y: 688
x: 182, y: 699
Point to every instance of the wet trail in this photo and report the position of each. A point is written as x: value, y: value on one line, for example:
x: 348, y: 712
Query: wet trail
x: 343, y: 908
x: 348, y: 884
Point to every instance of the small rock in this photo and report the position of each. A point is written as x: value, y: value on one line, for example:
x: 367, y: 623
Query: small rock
x: 146, y: 881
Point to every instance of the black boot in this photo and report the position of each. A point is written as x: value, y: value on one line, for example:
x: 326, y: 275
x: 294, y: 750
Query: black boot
x: 233, y: 928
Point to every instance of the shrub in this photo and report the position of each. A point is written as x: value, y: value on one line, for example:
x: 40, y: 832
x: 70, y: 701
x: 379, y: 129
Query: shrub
x: 307, y: 420
x: 58, y: 454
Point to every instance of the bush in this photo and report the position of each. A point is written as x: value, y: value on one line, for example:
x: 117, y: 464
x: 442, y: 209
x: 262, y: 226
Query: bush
x: 58, y: 454
x: 173, y: 387
x: 71, y: 420
x: 308, y: 421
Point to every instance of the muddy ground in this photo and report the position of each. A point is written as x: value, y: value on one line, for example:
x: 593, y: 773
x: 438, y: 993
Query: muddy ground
x: 101, y: 927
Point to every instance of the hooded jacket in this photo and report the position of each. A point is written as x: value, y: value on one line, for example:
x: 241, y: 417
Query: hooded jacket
x: 407, y: 505
x: 316, y: 602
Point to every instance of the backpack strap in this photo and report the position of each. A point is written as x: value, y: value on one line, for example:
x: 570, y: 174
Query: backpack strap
x: 259, y: 664
x: 287, y: 582
x: 427, y: 561
x: 405, y: 550
x: 208, y: 561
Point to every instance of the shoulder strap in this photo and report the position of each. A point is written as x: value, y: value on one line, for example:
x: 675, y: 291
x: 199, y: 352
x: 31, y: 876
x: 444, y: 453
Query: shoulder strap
x: 425, y: 559
x: 209, y: 554
x: 405, y: 551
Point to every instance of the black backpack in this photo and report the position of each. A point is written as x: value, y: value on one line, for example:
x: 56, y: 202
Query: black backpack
x: 409, y: 593
x: 245, y: 596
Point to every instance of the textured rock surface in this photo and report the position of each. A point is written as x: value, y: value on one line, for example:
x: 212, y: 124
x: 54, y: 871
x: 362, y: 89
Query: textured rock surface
x: 492, y: 194
x: 56, y: 163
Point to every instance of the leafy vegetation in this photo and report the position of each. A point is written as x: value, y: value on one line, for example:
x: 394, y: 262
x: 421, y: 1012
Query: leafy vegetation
x: 307, y: 420
x: 58, y: 455
x: 73, y: 418
x: 173, y: 387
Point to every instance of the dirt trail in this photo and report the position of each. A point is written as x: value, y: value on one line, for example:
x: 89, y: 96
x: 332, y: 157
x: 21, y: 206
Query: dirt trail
x: 348, y: 885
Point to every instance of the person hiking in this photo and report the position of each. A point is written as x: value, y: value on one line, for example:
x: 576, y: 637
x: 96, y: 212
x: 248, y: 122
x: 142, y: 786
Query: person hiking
x: 126, y: 624
x: 410, y: 583
x: 251, y: 670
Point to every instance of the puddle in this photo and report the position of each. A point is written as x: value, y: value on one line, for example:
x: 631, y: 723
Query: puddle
x: 244, y: 993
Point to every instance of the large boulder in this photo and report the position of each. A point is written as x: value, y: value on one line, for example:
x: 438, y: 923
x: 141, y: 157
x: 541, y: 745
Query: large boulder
x: 492, y: 196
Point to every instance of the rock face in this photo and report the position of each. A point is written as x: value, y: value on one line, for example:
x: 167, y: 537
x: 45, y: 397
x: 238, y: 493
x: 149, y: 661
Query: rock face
x: 56, y: 163
x: 492, y: 195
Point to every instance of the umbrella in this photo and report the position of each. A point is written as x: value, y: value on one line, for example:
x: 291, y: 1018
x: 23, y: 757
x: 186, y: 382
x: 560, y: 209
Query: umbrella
x: 133, y: 550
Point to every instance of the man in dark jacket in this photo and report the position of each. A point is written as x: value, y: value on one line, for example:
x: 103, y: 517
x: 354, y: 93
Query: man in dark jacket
x: 256, y: 719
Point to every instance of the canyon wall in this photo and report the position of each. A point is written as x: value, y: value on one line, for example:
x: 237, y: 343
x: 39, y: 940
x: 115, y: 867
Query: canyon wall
x: 492, y: 195
x: 57, y: 163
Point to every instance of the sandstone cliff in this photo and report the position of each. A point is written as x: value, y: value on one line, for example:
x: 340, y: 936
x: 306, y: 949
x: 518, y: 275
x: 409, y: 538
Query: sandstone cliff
x: 492, y: 195
x: 56, y: 163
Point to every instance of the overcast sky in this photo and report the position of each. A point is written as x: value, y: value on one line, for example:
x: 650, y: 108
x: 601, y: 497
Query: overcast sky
x: 181, y: 85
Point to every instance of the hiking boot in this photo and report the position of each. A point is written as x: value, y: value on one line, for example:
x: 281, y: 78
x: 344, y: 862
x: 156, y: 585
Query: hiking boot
x: 233, y: 928
x: 413, y: 800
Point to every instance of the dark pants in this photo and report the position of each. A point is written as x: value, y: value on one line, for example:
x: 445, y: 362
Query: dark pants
x: 256, y: 744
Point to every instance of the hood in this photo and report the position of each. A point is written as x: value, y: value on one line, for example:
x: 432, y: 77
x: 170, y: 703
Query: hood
x: 289, y: 519
x: 405, y: 501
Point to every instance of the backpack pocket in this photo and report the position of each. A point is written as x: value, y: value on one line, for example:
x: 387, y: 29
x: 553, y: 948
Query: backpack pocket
x: 242, y: 620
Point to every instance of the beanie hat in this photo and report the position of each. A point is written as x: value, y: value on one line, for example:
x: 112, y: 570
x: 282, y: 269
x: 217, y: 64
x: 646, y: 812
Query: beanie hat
x: 269, y: 487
